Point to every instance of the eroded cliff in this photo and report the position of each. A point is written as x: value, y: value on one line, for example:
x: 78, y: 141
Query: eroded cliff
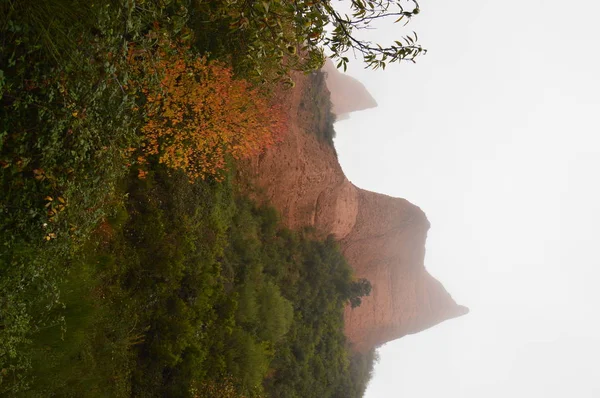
x: 387, y: 246
x: 383, y: 238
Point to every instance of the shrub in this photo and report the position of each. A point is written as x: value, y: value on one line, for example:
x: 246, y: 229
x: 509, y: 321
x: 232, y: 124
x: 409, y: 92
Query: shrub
x: 197, y: 113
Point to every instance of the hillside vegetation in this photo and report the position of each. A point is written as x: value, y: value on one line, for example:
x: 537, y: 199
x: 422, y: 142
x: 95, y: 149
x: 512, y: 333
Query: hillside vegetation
x: 189, y: 289
x: 130, y: 263
x: 317, y: 101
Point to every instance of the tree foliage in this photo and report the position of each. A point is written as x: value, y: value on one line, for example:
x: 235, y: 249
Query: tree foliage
x: 197, y: 113
x: 299, y: 34
x: 358, y: 289
x: 226, y: 294
x: 119, y: 286
x: 363, y: 13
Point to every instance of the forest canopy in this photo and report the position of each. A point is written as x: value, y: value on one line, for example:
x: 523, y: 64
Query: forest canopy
x: 132, y: 263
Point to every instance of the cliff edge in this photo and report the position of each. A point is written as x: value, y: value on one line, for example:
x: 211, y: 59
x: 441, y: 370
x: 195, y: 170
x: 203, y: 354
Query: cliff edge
x: 382, y: 238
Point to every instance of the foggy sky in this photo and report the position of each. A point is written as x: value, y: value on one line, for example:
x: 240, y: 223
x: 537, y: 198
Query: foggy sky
x: 494, y: 134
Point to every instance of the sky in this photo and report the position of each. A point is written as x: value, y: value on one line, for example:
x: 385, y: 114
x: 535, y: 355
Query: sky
x: 495, y: 134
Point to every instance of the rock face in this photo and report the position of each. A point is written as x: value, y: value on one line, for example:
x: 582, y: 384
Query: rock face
x: 382, y: 238
x: 387, y: 246
x: 347, y: 94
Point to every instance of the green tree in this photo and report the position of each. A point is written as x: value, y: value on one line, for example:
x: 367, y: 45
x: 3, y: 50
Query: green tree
x: 275, y: 313
x: 296, y: 35
x: 363, y: 13
x: 359, y: 289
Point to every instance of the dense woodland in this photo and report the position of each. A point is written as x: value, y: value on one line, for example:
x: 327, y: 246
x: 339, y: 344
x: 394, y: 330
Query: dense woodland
x: 131, y: 263
x: 191, y: 290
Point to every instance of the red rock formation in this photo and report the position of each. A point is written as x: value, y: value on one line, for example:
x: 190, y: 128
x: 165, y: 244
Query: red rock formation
x: 387, y: 246
x: 347, y: 94
x: 383, y: 238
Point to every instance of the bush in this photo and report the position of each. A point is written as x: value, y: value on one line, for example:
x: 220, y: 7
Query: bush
x: 198, y: 114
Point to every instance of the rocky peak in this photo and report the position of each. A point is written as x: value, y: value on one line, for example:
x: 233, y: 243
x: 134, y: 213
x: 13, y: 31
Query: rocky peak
x: 383, y: 238
x: 387, y: 246
x: 347, y: 94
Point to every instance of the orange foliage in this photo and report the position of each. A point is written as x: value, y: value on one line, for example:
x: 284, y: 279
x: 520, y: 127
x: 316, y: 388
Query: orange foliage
x: 198, y: 114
